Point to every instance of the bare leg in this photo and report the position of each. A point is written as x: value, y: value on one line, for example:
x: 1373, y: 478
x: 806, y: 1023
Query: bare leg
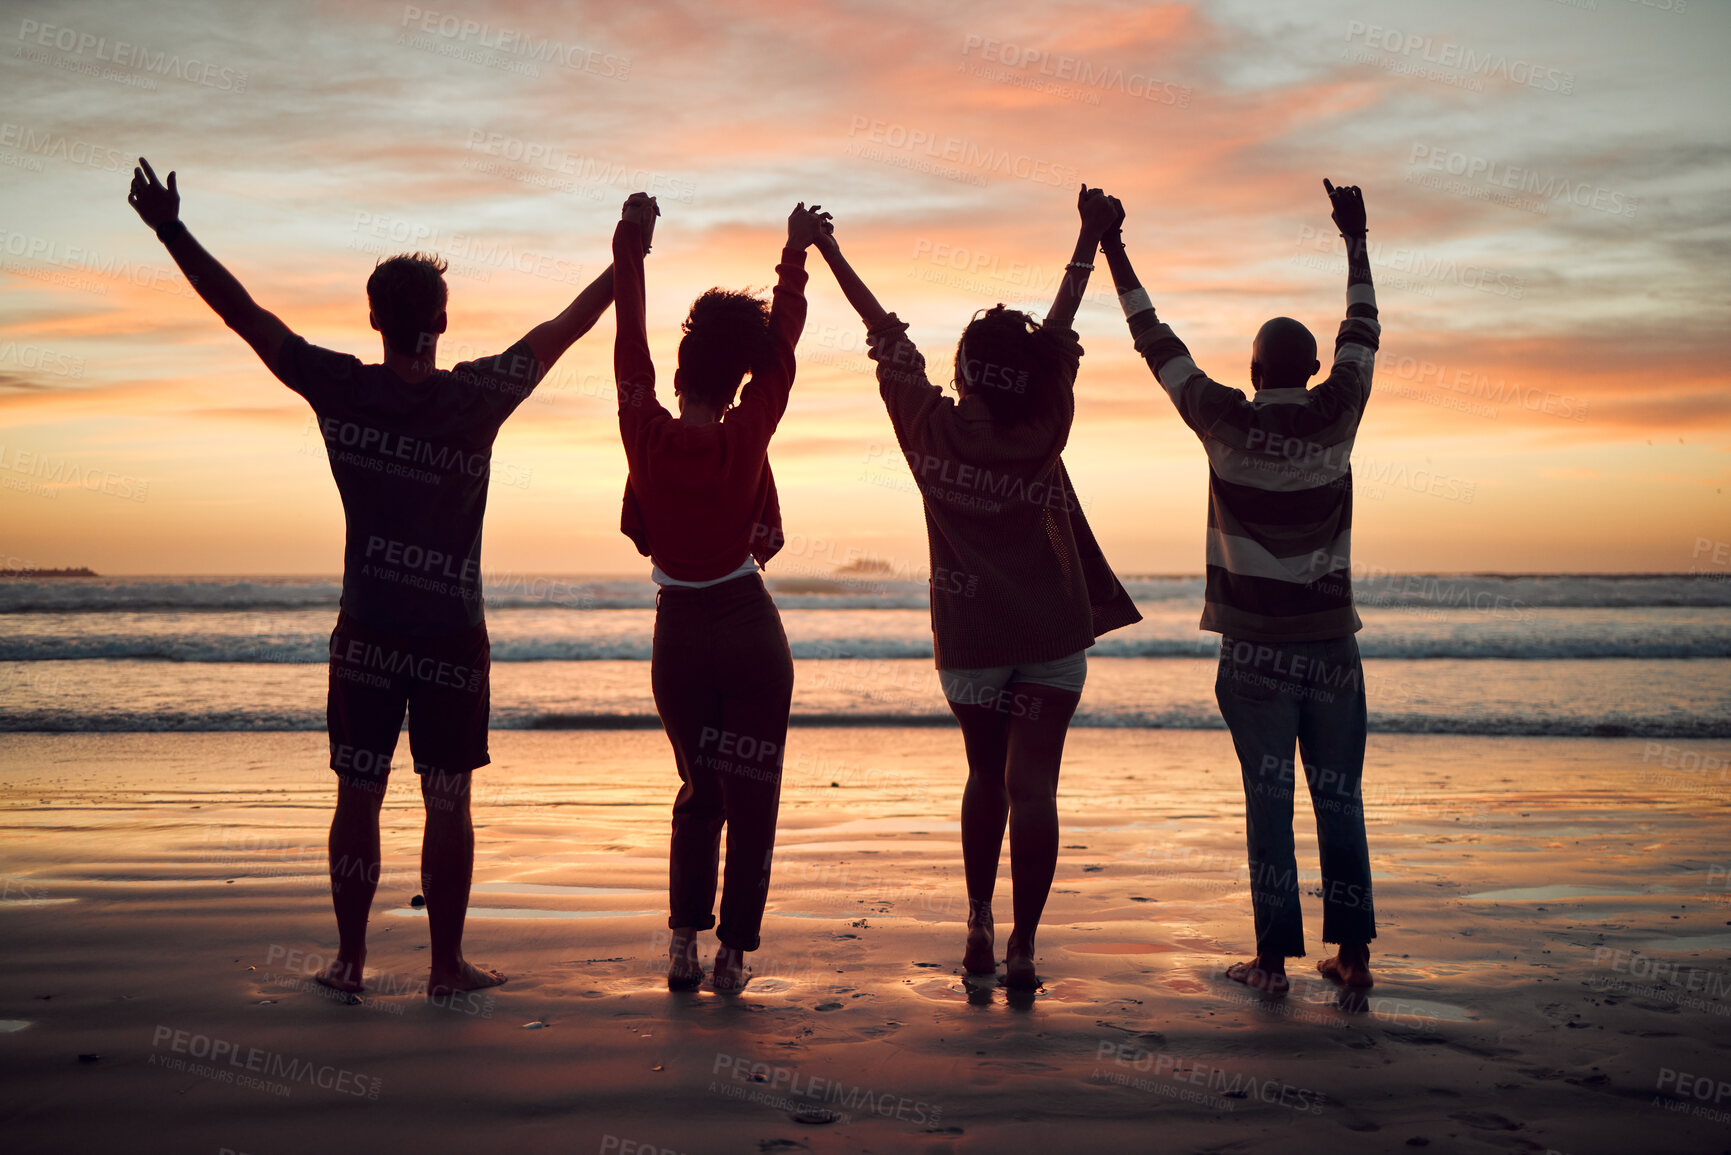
x: 447, y: 866
x: 1039, y: 721
x: 1349, y: 967
x: 354, y: 863
x: 730, y: 974
x: 985, y: 809
x: 684, y: 969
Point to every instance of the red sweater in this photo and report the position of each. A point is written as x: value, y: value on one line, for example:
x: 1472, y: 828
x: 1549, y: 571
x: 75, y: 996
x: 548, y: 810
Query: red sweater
x: 698, y: 498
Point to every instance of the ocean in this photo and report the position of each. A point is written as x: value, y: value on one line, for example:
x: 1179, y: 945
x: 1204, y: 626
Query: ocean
x: 1585, y: 655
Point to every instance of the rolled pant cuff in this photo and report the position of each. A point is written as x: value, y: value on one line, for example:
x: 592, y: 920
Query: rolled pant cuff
x: 733, y: 942
x: 704, y: 922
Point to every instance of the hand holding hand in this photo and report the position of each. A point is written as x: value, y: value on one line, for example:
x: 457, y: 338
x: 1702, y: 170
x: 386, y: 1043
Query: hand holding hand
x: 805, y: 226
x: 826, y: 242
x: 1347, y: 203
x: 155, y: 203
x: 1100, y: 213
x: 1114, y: 233
x: 641, y: 209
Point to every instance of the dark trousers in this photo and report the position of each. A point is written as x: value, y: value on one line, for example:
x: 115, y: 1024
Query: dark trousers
x: 723, y: 680
x: 1275, y: 695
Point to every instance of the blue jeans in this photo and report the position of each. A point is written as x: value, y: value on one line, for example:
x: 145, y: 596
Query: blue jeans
x: 1275, y: 696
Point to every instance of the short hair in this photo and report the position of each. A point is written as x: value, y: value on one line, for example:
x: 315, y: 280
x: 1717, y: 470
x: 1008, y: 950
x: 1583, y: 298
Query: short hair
x: 1286, y: 350
x: 1000, y: 361
x: 407, y: 293
x: 726, y: 336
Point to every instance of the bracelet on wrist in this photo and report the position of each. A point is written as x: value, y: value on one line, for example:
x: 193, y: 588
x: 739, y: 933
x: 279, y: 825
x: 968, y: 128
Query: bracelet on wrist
x: 169, y: 230
x: 1088, y: 268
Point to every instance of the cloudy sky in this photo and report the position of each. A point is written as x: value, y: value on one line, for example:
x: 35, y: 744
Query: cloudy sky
x: 1546, y: 186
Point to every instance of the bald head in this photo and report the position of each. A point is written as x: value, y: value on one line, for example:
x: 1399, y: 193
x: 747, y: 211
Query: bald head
x: 1284, y: 356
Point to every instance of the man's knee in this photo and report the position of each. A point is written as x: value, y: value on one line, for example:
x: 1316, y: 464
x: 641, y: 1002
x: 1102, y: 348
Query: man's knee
x: 359, y: 797
x: 445, y: 792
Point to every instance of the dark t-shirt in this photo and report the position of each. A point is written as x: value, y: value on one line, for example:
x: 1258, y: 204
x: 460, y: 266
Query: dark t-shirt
x: 411, y: 463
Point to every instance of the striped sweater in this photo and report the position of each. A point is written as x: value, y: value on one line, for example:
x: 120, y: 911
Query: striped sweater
x: 1279, y: 481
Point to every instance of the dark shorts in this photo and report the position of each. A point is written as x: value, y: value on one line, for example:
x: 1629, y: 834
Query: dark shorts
x: 378, y: 675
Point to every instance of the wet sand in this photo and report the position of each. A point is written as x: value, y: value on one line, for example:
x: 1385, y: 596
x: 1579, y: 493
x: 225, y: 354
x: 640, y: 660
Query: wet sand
x: 1554, y: 966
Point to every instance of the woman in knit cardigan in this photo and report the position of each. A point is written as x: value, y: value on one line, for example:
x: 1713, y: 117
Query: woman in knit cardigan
x: 700, y: 502
x: 1019, y: 588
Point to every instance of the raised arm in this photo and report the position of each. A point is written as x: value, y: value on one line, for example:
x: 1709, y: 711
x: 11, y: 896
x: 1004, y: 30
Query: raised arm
x: 1099, y: 213
x: 763, y: 397
x: 1360, y: 332
x: 1200, y: 400
x: 1203, y: 402
x: 1131, y: 295
x: 1346, y: 206
x: 549, y: 340
x: 787, y: 310
x: 854, y: 289
x: 918, y: 409
x: 158, y: 205
x: 633, y: 371
x: 1165, y: 353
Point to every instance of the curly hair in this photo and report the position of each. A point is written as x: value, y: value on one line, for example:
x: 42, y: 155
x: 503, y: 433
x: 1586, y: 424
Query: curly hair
x: 726, y: 336
x: 1000, y: 361
x: 407, y: 293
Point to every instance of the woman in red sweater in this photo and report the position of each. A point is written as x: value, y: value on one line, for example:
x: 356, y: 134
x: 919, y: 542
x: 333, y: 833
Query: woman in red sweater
x: 700, y: 503
x: 1019, y: 588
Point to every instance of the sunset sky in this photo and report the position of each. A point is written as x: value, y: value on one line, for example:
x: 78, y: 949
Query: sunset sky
x: 1546, y: 184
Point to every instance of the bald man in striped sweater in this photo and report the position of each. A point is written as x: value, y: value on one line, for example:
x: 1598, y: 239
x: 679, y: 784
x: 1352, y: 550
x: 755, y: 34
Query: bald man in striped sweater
x: 1280, y: 595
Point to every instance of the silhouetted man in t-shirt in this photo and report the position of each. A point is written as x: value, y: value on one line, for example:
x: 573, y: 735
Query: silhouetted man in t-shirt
x: 410, y: 447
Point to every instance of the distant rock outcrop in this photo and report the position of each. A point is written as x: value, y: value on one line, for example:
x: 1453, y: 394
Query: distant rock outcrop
x: 79, y: 571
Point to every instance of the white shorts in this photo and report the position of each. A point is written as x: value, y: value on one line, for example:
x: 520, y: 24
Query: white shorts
x: 983, y: 687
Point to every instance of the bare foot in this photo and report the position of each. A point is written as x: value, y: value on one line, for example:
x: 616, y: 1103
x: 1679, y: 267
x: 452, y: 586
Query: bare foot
x: 1350, y: 967
x: 343, y: 975
x: 979, y: 958
x: 1263, y: 974
x: 1019, y: 971
x: 465, y: 976
x: 684, y: 970
x: 730, y: 974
